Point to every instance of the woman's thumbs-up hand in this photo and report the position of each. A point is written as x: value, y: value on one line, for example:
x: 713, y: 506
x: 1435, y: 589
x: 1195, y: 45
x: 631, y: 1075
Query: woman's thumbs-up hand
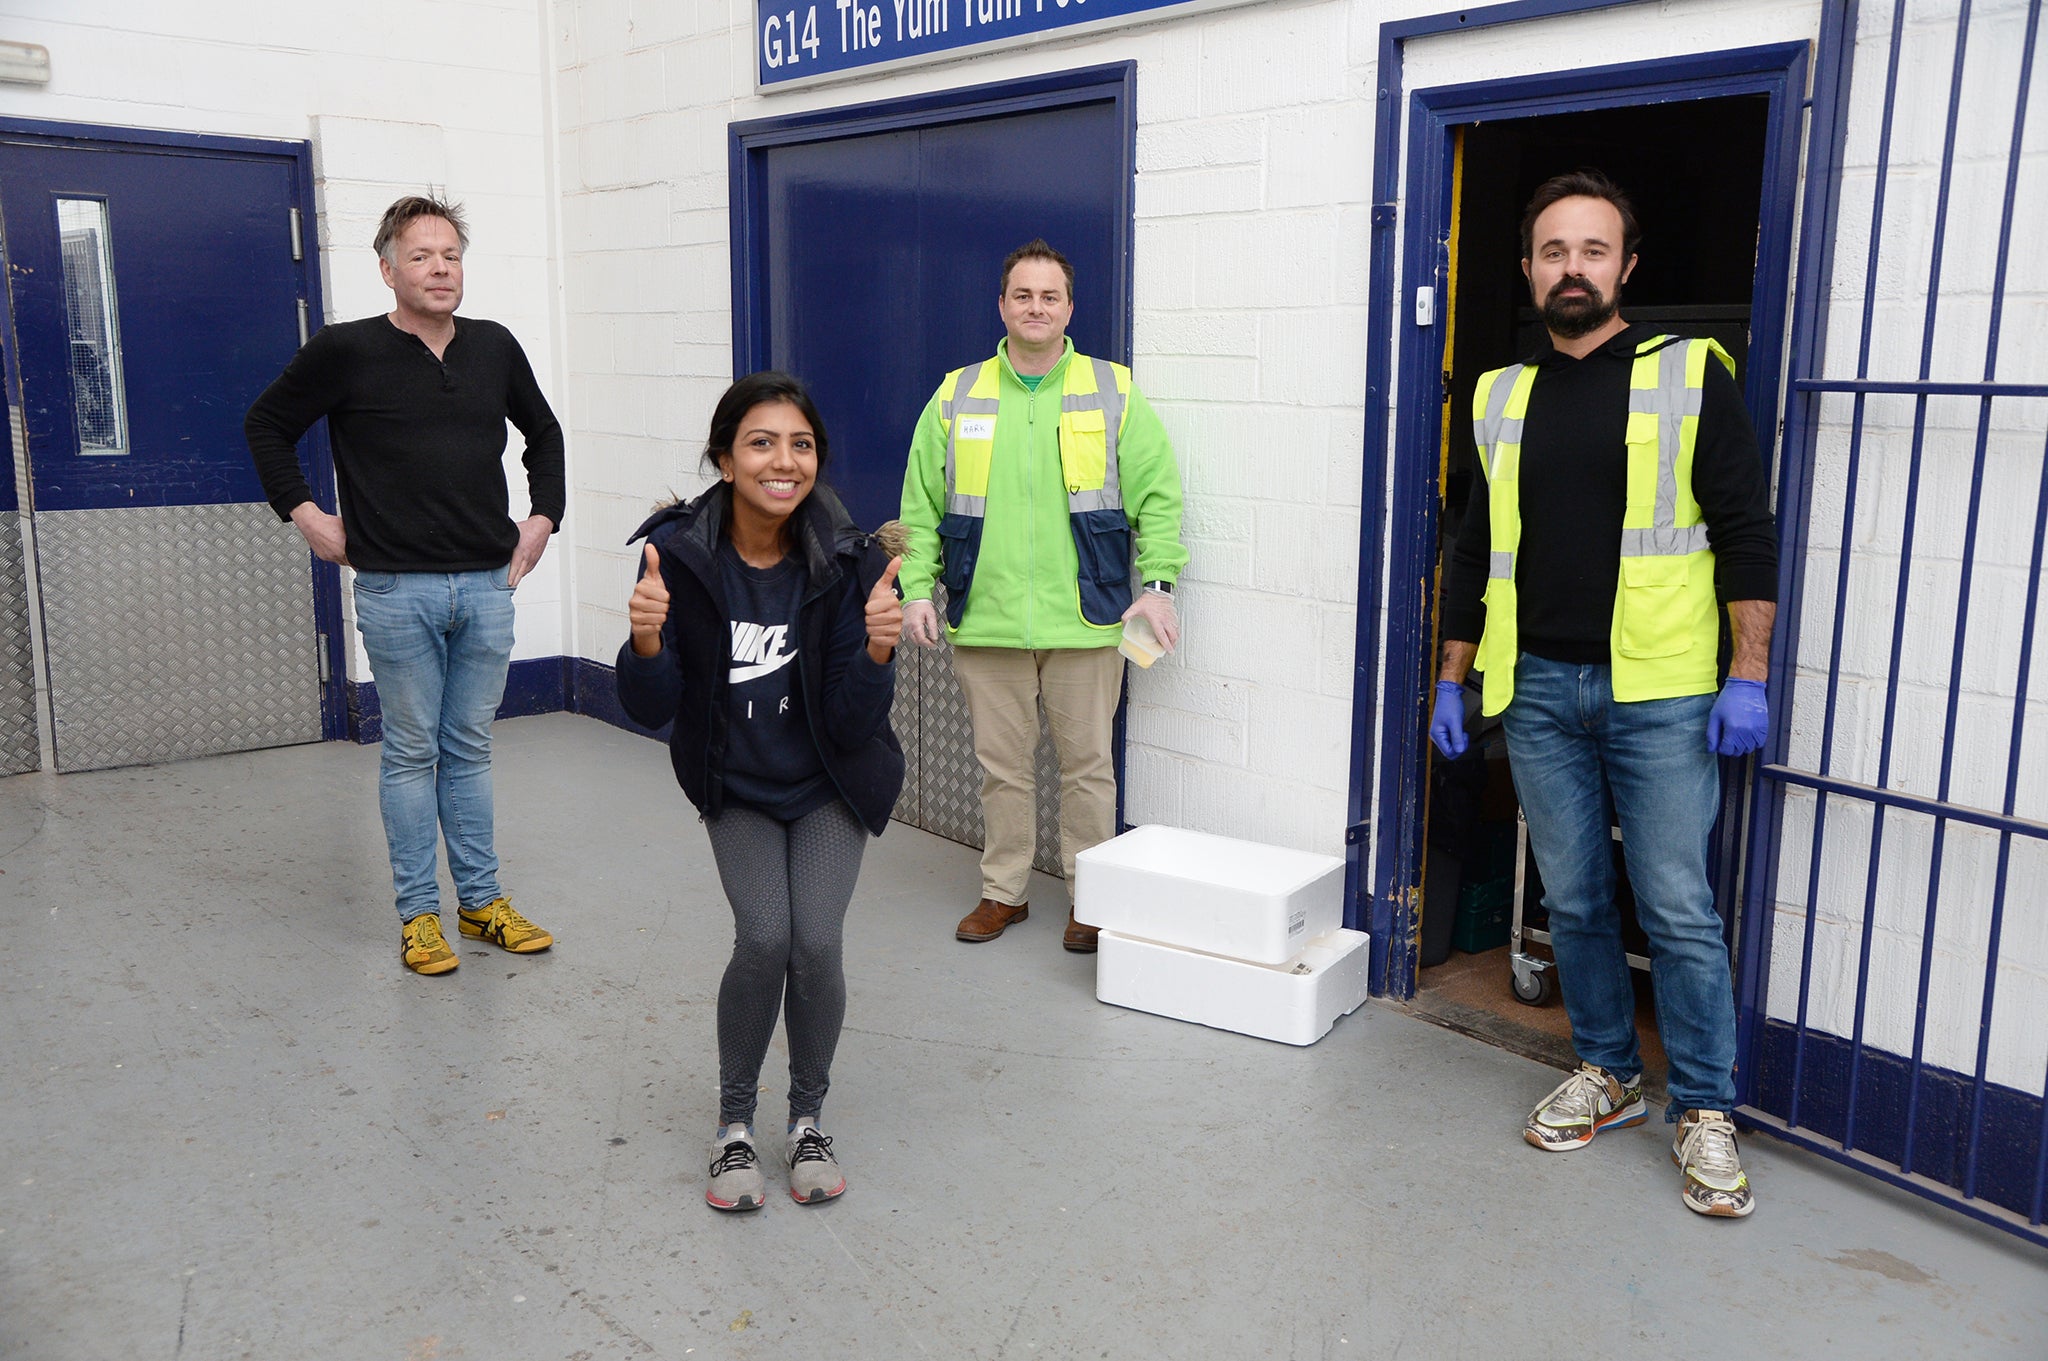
x: 647, y: 611
x: 885, y: 614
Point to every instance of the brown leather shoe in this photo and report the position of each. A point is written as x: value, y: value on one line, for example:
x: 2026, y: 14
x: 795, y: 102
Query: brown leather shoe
x: 988, y: 919
x: 1079, y: 938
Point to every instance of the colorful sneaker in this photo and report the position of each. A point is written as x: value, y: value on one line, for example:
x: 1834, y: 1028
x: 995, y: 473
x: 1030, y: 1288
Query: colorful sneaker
x: 736, y: 1181
x: 814, y: 1174
x: 497, y: 923
x: 422, y: 946
x: 1704, y: 1149
x: 1585, y: 1103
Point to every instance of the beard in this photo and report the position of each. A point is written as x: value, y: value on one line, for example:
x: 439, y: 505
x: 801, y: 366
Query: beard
x: 1581, y: 316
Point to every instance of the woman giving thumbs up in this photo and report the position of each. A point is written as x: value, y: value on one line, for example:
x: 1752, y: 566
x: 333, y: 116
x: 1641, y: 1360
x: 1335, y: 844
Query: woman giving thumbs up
x: 764, y: 627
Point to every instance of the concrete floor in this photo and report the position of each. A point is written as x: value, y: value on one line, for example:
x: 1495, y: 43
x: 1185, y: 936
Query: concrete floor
x: 234, y: 1126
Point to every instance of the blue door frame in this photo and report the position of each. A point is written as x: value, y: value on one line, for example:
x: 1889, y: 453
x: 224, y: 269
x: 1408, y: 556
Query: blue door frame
x: 1779, y: 73
x: 326, y: 577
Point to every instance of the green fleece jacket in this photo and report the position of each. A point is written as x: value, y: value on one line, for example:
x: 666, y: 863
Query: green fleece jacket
x: 1024, y: 592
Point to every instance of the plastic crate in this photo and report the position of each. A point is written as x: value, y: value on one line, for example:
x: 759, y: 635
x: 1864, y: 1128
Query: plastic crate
x: 1483, y: 915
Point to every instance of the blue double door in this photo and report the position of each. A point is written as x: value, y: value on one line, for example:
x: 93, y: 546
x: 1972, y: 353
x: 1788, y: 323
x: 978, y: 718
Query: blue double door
x: 868, y: 252
x: 156, y: 284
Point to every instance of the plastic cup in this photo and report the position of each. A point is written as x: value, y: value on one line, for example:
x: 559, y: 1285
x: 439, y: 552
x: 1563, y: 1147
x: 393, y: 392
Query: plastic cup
x: 1140, y: 644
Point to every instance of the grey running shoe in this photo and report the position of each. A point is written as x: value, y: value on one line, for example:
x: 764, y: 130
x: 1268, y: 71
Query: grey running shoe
x: 813, y: 1172
x: 1585, y: 1103
x: 1704, y: 1149
x: 736, y: 1181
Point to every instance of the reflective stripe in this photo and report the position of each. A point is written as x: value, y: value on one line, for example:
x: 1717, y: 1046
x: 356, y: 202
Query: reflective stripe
x: 1110, y: 398
x: 1664, y: 541
x: 1511, y: 431
x: 948, y: 407
x: 1670, y: 401
x: 975, y: 506
x: 1494, y: 428
x: 1501, y: 566
x: 1674, y: 400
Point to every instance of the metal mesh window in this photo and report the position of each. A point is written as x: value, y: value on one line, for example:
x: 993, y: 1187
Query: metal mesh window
x: 96, y: 387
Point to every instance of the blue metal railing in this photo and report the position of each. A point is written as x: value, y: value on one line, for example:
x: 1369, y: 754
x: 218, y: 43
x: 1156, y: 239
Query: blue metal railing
x: 1884, y: 1112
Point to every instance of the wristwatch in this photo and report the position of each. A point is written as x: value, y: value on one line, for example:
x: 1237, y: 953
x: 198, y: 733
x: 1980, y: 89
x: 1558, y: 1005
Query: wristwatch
x: 1163, y: 587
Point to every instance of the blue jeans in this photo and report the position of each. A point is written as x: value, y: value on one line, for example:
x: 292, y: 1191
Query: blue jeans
x: 439, y: 644
x: 1578, y: 756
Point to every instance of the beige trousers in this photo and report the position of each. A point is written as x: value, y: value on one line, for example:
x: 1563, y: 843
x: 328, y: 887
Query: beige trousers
x: 1004, y: 687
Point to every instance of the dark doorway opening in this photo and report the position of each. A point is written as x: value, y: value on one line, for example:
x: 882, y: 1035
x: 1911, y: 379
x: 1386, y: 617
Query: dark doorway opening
x: 1695, y: 170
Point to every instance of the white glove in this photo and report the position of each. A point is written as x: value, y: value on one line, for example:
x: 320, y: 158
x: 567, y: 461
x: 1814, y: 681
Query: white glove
x: 921, y: 623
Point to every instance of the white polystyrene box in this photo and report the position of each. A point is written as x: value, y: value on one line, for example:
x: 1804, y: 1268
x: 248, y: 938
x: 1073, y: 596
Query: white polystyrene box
x: 1210, y: 893
x: 1294, y: 1003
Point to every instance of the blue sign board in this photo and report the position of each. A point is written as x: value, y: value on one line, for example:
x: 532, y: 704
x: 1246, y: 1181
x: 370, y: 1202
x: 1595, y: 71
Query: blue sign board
x: 799, y: 40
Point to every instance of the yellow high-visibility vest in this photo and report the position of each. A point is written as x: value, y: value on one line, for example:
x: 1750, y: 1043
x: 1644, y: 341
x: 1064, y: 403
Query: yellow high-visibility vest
x: 1665, y: 638
x: 1093, y: 402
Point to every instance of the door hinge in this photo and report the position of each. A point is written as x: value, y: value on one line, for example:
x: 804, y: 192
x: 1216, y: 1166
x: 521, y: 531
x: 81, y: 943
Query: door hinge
x: 326, y: 669
x: 302, y: 321
x: 298, y: 236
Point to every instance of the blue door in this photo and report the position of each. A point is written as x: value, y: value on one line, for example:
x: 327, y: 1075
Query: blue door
x: 154, y: 289
x: 882, y: 255
x: 869, y: 244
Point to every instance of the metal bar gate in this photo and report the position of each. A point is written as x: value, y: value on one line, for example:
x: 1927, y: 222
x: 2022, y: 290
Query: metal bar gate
x: 1894, y: 961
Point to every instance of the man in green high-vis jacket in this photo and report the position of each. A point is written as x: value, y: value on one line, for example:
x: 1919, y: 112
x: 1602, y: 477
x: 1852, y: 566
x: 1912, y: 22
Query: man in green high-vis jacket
x: 1037, y: 480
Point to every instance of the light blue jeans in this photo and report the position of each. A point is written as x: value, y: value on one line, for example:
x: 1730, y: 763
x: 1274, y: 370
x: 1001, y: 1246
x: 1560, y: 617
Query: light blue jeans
x: 439, y: 644
x: 1579, y: 756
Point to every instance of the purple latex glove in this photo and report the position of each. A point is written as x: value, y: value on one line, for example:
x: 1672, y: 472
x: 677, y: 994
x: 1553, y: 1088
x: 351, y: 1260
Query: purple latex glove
x: 1447, y: 721
x: 1741, y: 718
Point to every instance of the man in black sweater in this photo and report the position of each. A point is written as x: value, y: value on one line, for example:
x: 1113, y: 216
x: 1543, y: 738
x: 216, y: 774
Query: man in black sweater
x: 1625, y: 504
x: 416, y: 402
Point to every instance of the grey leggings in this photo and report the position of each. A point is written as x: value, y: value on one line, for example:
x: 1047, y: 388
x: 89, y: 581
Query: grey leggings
x: 789, y: 884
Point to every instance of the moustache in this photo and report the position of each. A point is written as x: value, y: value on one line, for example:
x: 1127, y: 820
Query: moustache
x: 1593, y: 296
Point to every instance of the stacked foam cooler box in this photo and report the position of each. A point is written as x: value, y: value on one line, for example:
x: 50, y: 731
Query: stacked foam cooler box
x: 1226, y: 933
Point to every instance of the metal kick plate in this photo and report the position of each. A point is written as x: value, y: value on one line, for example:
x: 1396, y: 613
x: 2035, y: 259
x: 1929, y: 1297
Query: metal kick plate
x: 176, y: 631
x: 942, y: 791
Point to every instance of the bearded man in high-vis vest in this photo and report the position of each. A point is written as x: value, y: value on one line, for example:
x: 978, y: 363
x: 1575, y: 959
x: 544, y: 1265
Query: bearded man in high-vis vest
x: 1625, y: 510
x: 1037, y: 479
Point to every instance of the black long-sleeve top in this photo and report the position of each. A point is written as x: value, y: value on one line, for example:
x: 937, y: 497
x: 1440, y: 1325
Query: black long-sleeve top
x: 419, y: 442
x: 1574, y: 488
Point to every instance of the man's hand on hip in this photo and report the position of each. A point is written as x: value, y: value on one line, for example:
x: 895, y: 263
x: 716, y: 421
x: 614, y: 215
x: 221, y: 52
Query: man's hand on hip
x: 533, y: 541
x: 921, y: 623
x: 1159, y: 613
x: 323, y: 532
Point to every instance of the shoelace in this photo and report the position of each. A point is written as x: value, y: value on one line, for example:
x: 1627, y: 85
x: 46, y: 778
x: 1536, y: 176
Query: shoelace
x: 1578, y: 1095
x: 507, y: 918
x: 426, y: 935
x: 734, y: 1157
x: 1709, y: 1145
x: 811, y: 1147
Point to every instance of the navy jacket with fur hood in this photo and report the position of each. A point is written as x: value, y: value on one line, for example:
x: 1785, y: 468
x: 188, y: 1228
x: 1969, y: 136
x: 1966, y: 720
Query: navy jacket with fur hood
x: 846, y: 695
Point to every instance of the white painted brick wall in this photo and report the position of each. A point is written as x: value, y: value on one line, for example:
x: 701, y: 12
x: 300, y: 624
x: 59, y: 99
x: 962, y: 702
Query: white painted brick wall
x: 382, y: 123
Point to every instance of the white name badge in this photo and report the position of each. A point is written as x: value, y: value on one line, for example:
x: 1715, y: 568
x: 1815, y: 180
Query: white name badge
x: 977, y: 427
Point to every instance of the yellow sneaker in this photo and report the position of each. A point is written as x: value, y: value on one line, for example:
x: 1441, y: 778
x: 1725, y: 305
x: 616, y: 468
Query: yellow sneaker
x: 422, y: 946
x: 497, y: 923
